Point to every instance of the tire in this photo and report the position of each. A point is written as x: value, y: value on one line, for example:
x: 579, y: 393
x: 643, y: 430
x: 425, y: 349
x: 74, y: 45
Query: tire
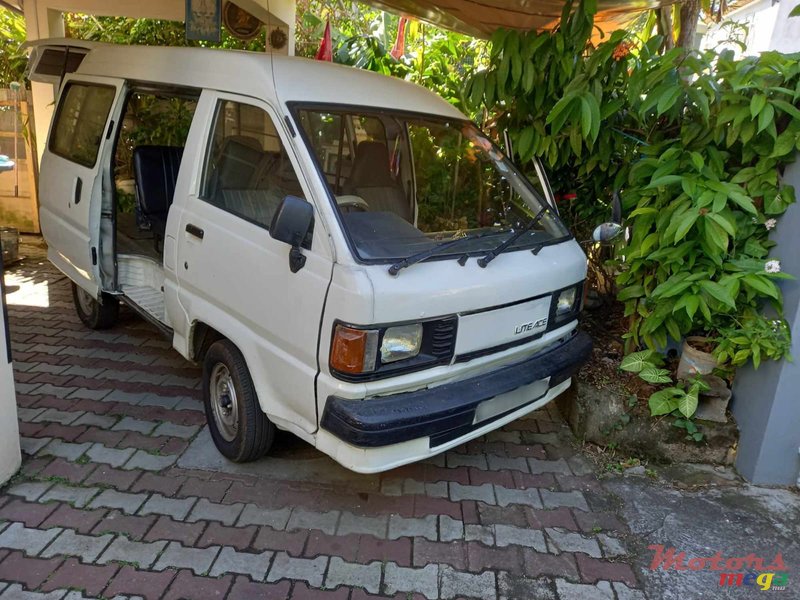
x: 93, y: 313
x: 240, y: 429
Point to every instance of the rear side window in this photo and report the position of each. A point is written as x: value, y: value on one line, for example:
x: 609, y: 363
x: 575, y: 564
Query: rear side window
x: 81, y: 121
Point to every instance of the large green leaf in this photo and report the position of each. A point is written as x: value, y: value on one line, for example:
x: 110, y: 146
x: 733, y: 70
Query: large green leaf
x: 687, y: 404
x: 652, y: 374
x: 715, y: 290
x: 664, y: 401
x: 636, y: 361
x: 757, y: 104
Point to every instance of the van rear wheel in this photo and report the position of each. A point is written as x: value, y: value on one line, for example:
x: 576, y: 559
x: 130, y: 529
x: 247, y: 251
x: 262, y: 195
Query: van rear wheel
x: 95, y: 314
x: 240, y: 429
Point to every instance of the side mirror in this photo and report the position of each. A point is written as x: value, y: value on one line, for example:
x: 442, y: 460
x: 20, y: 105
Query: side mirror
x: 607, y: 232
x: 291, y: 223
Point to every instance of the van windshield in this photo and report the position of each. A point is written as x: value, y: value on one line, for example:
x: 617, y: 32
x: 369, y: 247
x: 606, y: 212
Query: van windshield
x: 406, y: 184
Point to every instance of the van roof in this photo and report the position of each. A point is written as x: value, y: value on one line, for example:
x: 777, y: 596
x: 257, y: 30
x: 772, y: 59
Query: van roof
x: 296, y: 79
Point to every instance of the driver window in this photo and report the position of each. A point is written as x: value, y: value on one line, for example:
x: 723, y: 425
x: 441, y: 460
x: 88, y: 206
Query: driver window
x: 247, y: 171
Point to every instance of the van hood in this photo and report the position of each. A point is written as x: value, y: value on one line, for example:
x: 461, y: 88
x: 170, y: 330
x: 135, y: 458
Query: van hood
x: 492, y: 303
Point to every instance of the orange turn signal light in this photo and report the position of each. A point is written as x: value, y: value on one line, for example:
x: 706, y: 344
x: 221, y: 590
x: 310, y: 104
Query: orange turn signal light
x: 353, y: 350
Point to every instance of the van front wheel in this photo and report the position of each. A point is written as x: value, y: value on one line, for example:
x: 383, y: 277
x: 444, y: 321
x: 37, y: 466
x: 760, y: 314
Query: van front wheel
x: 93, y: 313
x: 240, y: 429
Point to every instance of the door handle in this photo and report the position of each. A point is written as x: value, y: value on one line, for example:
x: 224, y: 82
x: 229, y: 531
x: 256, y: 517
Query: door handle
x: 195, y: 231
x: 76, y: 194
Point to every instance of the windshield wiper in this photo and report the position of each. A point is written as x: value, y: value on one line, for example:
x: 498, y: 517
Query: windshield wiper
x: 492, y: 254
x: 426, y: 254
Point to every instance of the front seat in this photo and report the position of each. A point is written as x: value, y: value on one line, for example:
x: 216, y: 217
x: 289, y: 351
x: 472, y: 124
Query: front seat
x: 372, y: 180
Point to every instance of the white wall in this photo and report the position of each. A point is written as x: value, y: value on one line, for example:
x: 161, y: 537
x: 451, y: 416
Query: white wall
x: 768, y: 24
x: 10, y: 457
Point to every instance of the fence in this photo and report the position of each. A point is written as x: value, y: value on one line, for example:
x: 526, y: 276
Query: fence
x: 18, y: 194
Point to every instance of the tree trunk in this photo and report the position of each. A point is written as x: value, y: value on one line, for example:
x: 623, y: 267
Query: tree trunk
x: 664, y: 27
x: 690, y: 13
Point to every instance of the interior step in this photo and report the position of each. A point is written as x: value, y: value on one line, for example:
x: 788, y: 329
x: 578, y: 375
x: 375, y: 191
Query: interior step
x: 149, y: 299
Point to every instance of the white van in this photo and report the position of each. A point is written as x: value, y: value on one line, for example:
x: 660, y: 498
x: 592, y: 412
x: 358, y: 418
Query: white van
x: 348, y: 257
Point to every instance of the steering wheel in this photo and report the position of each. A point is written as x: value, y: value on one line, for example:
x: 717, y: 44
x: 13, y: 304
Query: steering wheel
x: 351, y: 203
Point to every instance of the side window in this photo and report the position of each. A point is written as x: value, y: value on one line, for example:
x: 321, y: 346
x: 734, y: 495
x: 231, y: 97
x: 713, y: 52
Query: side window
x: 247, y: 171
x: 81, y: 121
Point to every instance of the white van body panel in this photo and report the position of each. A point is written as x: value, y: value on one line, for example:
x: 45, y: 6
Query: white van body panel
x: 71, y: 201
x: 235, y: 278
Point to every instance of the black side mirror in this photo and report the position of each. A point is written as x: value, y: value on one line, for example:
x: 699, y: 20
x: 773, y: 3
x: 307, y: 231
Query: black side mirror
x: 291, y: 223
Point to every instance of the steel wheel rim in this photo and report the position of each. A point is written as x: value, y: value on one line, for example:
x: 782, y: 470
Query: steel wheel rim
x: 85, y: 302
x: 223, y: 402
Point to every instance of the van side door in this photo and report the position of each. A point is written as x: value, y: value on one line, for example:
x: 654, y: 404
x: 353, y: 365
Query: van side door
x: 75, y: 173
x: 232, y: 275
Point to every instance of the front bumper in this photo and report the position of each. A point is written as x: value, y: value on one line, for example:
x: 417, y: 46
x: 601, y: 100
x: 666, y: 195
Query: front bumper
x: 448, y: 412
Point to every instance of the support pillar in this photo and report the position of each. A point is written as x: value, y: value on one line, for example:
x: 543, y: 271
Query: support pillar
x: 10, y: 457
x: 765, y: 400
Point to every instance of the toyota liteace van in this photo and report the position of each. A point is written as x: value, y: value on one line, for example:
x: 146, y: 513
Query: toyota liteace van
x: 348, y: 257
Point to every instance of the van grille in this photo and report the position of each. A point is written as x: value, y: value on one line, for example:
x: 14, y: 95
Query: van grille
x: 443, y: 338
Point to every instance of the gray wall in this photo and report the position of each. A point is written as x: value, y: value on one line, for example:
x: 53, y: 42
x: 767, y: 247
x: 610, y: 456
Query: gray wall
x: 766, y: 402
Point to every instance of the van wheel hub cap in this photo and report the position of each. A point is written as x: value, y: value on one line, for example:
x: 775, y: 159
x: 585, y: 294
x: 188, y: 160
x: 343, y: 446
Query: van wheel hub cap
x: 223, y: 402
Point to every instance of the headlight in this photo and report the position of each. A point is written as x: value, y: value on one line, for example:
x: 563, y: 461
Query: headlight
x: 566, y: 301
x: 370, y: 353
x: 401, y: 342
x: 566, y: 304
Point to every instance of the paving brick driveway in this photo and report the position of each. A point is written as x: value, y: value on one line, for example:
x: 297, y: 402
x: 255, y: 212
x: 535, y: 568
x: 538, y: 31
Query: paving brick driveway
x: 106, y: 505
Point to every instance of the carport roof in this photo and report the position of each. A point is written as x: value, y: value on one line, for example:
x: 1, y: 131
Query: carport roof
x: 481, y: 17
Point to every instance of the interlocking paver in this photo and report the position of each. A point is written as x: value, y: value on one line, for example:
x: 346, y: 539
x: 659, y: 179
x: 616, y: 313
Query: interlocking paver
x: 506, y: 535
x: 479, y: 533
x: 127, y: 503
x: 255, y: 565
x: 481, y: 493
x: 306, y: 519
x: 177, y: 556
x: 31, y: 541
x: 86, y: 547
x: 177, y: 508
x: 255, y: 515
x: 351, y: 574
x: 67, y: 450
x: 350, y: 523
x: 212, y: 511
x: 578, y: 591
x: 16, y: 592
x: 31, y: 446
x: 456, y: 584
x: 30, y: 490
x: 95, y: 420
x: 115, y: 457
x: 125, y: 551
x: 412, y: 527
x: 305, y: 569
x: 406, y: 579
x: 450, y: 529
x: 150, y: 462
x: 573, y: 499
x: 137, y: 425
x: 171, y: 429
x: 529, y: 497
x: 566, y: 541
x: 77, y: 496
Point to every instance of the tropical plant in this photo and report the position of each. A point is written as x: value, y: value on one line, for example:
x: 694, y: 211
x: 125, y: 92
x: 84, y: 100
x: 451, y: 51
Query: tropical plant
x: 13, y: 59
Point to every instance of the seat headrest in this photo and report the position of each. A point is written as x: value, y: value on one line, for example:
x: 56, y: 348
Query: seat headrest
x: 371, y: 166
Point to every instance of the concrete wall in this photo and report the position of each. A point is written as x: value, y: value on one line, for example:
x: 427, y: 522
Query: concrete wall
x: 766, y: 402
x: 10, y: 457
x: 769, y: 28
